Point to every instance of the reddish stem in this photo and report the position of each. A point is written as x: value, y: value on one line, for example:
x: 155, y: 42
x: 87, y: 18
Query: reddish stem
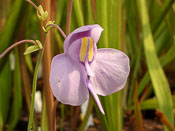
x: 54, y: 116
x: 16, y: 44
x: 34, y: 6
x: 69, y: 17
x: 59, y: 29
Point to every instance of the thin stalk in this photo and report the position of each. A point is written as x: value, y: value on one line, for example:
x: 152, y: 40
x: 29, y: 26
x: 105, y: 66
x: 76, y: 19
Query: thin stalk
x: 34, y: 88
x: 75, y: 118
x: 88, y: 112
x: 62, y: 118
x: 54, y: 116
x: 46, y: 67
x: 59, y: 29
x: 34, y: 6
x: 26, y: 84
x: 165, y: 121
x: 16, y: 44
x: 69, y: 17
x: 94, y: 10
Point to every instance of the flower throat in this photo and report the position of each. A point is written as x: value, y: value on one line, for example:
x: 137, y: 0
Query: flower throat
x: 86, y: 49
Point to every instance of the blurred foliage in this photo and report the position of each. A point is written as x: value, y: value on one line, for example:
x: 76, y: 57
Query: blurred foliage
x: 144, y: 30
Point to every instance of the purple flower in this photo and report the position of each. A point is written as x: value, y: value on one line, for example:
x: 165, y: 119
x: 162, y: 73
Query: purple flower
x: 83, y: 68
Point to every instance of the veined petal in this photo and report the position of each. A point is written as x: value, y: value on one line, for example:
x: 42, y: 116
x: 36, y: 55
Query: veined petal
x: 74, y: 50
x: 93, y: 31
x: 111, y: 69
x: 91, y: 88
x: 67, y: 80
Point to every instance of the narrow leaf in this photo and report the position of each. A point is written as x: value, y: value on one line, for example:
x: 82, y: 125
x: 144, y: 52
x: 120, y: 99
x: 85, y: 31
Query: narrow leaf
x: 5, y: 87
x: 109, y: 17
x: 160, y: 83
x: 17, y: 98
x: 78, y: 12
x: 31, y: 49
x: 9, y: 28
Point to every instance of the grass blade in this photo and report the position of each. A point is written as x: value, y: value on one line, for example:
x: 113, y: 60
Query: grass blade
x: 160, y: 83
x: 111, y: 37
x: 162, y: 14
x: 9, y: 28
x: 5, y: 87
x: 78, y: 12
x: 164, y: 60
x: 17, y: 100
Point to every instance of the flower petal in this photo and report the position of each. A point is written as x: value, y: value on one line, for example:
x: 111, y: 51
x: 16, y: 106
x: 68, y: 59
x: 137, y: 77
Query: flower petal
x: 111, y: 69
x: 67, y: 80
x: 93, y: 31
x: 88, y: 69
x: 96, y: 97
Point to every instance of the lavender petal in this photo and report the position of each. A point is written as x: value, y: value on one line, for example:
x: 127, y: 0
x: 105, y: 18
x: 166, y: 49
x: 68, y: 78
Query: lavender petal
x: 111, y: 69
x: 91, y: 88
x: 93, y: 31
x: 67, y: 80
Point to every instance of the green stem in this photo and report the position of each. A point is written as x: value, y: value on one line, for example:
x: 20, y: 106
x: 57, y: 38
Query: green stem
x: 34, y: 89
x: 88, y: 112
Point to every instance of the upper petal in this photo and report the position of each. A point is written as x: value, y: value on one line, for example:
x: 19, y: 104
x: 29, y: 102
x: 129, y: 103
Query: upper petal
x: 93, y: 31
x: 67, y: 80
x: 111, y: 69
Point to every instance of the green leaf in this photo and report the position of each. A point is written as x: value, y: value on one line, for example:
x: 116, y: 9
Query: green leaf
x: 166, y: 7
x: 159, y: 81
x: 5, y: 87
x: 17, y: 97
x: 29, y: 63
x: 8, y: 30
x: 149, y: 104
x: 31, y: 49
x: 109, y: 17
x: 78, y: 12
x: 1, y: 121
x: 101, y: 6
x: 43, y: 15
x: 60, y: 11
x: 48, y: 27
x: 39, y: 44
x: 164, y: 60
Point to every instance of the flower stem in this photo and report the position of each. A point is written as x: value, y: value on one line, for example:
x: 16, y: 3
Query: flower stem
x: 88, y: 112
x: 34, y: 88
x: 34, y: 6
x: 69, y: 16
x: 54, y: 116
x: 16, y: 44
x: 59, y: 29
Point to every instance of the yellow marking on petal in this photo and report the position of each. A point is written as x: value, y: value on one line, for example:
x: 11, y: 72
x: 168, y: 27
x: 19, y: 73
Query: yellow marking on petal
x: 90, y: 55
x: 83, y: 49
